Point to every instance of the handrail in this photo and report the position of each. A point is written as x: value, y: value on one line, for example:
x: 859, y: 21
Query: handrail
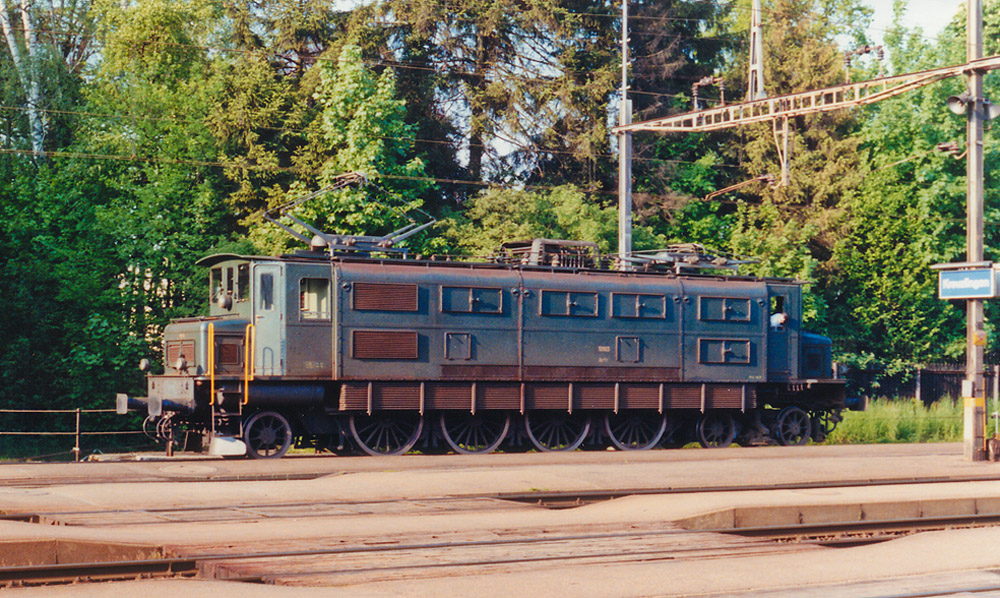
x: 248, y: 363
x: 211, y: 363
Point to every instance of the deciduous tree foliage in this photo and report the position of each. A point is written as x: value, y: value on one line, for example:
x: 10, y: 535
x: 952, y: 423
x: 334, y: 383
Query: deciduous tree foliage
x: 138, y: 136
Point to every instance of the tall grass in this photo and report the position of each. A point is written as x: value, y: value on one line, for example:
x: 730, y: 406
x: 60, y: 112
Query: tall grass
x: 901, y: 421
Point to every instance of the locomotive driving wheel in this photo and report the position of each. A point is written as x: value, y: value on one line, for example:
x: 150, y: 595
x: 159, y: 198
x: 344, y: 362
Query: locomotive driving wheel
x: 267, y: 434
x: 387, y: 433
x: 794, y: 427
x: 474, y: 433
x: 556, y: 430
x: 635, y: 430
x: 716, y: 429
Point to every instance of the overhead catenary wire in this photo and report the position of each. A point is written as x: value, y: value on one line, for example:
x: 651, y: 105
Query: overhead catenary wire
x: 259, y: 167
x: 418, y: 140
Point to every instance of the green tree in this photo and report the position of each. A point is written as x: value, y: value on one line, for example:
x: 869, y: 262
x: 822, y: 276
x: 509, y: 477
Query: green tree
x: 497, y: 216
x: 360, y: 128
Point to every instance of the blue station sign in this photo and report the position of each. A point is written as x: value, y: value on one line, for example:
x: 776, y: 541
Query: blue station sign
x: 980, y: 283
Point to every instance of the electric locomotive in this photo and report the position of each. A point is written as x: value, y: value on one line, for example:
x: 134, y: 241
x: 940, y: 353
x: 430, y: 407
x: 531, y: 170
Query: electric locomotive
x: 547, y: 346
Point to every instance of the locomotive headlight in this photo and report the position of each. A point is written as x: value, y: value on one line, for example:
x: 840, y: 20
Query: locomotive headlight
x: 143, y: 365
x: 181, y: 364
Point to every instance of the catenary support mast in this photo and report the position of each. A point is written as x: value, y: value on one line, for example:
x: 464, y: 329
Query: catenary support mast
x: 975, y: 390
x: 624, y: 155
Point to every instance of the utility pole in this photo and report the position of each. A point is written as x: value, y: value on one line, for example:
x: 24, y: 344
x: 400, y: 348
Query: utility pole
x: 974, y: 391
x: 624, y: 156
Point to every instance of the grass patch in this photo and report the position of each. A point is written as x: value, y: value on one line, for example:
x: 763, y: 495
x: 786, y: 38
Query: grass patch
x: 888, y: 420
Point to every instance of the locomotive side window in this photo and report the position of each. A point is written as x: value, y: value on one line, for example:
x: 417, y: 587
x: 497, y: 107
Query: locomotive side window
x: 314, y: 298
x: 215, y: 286
x: 230, y: 283
x: 711, y: 350
x: 778, y: 315
x: 724, y: 309
x: 266, y: 291
x: 631, y: 305
x: 471, y: 300
x: 568, y: 303
x: 242, y: 282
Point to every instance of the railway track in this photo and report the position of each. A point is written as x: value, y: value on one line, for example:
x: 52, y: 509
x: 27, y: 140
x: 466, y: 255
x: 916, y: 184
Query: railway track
x: 338, y: 565
x: 473, y: 501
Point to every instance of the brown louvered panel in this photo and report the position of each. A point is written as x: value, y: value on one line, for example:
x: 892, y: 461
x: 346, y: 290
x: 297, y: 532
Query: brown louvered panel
x: 682, y: 397
x: 378, y: 296
x: 353, y: 397
x: 449, y: 396
x: 594, y: 396
x: 638, y: 397
x: 177, y: 348
x: 479, y: 372
x: 230, y: 354
x: 602, y: 374
x: 548, y: 396
x: 723, y: 397
x: 498, y: 396
x: 384, y: 344
x: 396, y: 396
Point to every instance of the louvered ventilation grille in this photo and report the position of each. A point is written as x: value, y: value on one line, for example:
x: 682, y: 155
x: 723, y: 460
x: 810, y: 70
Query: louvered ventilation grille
x: 177, y: 348
x: 229, y: 354
x: 384, y: 344
x: 385, y: 297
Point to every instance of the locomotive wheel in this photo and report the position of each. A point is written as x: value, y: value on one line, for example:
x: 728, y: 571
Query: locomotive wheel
x: 715, y: 430
x: 268, y: 435
x: 392, y: 433
x: 556, y: 430
x: 635, y: 430
x: 474, y: 433
x: 794, y: 427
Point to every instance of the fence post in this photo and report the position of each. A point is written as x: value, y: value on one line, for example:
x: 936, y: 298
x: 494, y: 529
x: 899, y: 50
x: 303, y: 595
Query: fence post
x: 76, y: 449
x: 919, y: 395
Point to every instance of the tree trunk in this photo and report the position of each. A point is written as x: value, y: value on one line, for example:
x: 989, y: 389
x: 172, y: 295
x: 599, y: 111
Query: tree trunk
x: 27, y: 68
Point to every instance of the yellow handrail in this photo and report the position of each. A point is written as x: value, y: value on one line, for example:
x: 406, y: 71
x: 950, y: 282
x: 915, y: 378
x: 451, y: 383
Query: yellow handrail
x: 248, y: 363
x: 211, y: 363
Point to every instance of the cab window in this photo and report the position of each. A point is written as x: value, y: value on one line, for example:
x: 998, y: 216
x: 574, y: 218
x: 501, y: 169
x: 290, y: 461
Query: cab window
x: 242, y: 282
x: 215, y: 286
x: 314, y: 299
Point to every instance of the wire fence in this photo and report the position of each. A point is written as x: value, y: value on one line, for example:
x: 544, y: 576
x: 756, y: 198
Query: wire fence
x: 78, y: 431
x: 927, y: 383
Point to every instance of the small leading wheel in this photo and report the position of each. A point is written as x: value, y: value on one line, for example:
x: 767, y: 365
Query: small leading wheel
x: 474, y: 433
x: 267, y: 434
x: 635, y: 430
x: 716, y: 429
x: 794, y: 427
x: 556, y: 430
x: 387, y: 433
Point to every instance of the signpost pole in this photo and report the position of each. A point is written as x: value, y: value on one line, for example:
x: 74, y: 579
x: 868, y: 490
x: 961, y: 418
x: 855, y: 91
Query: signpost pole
x: 974, y: 390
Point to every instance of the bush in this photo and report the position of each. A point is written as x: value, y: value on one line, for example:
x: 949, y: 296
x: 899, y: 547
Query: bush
x: 889, y: 420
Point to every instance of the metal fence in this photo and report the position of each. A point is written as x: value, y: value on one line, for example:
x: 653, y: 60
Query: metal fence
x: 926, y: 383
x: 78, y: 432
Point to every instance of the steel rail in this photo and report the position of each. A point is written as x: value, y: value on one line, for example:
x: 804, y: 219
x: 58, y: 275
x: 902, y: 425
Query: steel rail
x: 792, y: 536
x: 548, y: 499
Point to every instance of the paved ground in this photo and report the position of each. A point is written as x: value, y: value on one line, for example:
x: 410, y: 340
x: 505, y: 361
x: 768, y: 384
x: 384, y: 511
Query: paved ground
x: 357, y: 502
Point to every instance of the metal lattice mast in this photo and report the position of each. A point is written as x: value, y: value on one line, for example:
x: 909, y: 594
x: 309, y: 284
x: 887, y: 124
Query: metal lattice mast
x: 755, y: 80
x: 624, y: 155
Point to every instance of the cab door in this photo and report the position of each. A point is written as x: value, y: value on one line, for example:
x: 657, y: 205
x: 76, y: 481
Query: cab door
x: 268, y: 319
x: 784, y: 318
